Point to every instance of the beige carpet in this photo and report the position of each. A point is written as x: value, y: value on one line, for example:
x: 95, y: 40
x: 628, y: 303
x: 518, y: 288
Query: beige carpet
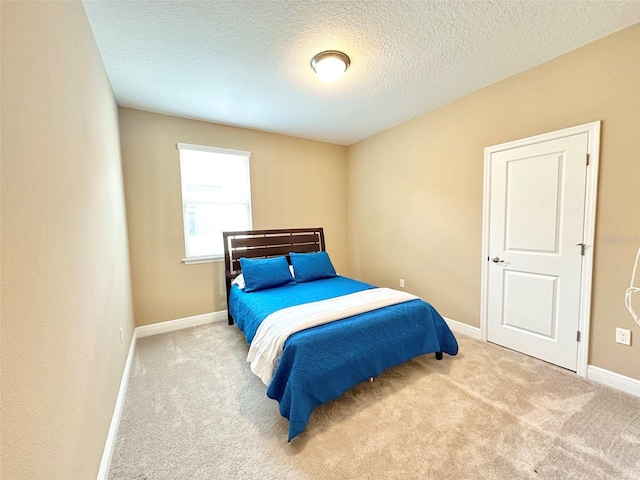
x: 195, y: 411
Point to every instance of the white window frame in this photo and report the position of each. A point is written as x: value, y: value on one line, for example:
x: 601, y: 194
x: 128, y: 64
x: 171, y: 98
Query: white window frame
x: 242, y: 155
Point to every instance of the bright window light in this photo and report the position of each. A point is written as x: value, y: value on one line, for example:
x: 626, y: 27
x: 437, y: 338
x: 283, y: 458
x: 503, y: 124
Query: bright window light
x: 216, y: 197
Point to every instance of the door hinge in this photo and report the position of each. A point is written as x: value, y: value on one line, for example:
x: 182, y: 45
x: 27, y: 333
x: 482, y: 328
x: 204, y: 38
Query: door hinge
x: 578, y: 336
x: 587, y: 159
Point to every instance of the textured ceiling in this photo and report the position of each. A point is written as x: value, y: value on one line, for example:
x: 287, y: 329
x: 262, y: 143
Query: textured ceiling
x: 246, y: 63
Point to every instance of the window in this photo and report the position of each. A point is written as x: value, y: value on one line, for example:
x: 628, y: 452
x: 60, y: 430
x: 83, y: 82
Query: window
x: 216, y: 197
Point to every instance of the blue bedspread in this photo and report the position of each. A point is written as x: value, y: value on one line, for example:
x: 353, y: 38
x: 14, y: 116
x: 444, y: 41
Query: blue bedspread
x: 321, y: 363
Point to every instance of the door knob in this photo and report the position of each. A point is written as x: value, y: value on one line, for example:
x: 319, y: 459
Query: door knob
x: 497, y: 260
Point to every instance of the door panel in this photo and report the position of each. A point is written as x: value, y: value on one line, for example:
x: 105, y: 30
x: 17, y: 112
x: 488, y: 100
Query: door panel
x: 536, y: 222
x: 529, y: 302
x: 533, y: 186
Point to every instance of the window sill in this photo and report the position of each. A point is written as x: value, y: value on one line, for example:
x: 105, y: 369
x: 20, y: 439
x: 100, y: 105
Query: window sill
x: 193, y: 260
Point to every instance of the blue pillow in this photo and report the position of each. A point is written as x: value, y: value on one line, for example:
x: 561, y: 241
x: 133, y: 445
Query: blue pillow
x: 311, y: 266
x: 263, y: 273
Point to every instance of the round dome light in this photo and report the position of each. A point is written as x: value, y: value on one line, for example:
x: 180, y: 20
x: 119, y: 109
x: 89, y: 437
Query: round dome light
x: 330, y: 65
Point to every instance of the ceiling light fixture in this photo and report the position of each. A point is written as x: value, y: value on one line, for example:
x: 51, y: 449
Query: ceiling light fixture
x: 330, y: 65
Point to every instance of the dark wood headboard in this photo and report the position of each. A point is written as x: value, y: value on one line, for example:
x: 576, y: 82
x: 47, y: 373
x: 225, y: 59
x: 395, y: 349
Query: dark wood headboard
x: 264, y: 244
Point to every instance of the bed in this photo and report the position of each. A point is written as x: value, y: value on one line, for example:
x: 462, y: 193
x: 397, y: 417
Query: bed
x: 320, y: 361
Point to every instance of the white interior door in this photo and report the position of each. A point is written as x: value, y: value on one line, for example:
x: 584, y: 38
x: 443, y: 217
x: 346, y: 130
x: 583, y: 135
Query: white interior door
x: 535, y: 247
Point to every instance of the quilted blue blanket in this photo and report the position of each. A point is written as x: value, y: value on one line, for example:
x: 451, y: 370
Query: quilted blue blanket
x: 321, y: 363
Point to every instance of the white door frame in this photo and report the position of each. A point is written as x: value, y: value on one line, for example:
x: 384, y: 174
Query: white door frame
x: 593, y: 150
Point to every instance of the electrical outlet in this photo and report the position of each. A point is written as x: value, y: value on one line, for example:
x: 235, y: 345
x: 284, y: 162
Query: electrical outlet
x: 623, y: 336
x: 402, y: 283
x: 121, y: 335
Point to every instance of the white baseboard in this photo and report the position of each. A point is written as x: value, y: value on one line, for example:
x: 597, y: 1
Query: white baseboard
x: 110, y: 444
x: 179, y: 324
x: 615, y: 380
x: 463, y: 328
x: 139, y: 332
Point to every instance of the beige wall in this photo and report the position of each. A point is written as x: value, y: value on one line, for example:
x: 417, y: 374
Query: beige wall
x: 294, y: 183
x: 65, y: 269
x: 415, y: 191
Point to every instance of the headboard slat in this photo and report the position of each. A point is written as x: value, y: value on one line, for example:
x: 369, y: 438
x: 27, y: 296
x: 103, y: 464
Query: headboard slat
x: 273, y: 240
x: 274, y: 251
